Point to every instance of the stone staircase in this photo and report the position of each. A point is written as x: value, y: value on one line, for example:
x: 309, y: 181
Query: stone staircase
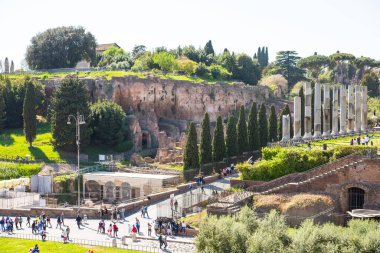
x: 232, y: 203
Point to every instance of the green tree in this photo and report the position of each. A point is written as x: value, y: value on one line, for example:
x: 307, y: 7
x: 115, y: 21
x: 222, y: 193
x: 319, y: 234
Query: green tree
x: 302, y: 96
x: 107, y: 123
x: 372, y: 82
x: 263, y: 126
x: 247, y: 70
x: 342, y: 64
x: 12, y: 69
x: 137, y: 50
x: 218, y: 145
x: 286, y: 62
x: 70, y: 97
x: 29, y: 112
x: 6, y: 65
x: 363, y: 65
x: 205, y: 148
x: 284, y: 111
x: 165, y: 61
x: 272, y: 135
x: 231, y: 137
x: 314, y: 64
x: 3, y: 112
x: 241, y: 132
x: 190, y: 155
x: 61, y: 47
x: 209, y: 48
x: 253, y: 131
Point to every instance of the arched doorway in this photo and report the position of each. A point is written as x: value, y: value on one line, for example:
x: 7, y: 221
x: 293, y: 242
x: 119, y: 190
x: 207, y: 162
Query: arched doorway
x: 144, y: 140
x: 355, y: 198
x: 92, y: 189
x: 109, y: 187
x: 125, y: 191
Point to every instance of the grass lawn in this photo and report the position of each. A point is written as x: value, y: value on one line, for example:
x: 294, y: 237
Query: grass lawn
x: 345, y: 141
x: 195, y: 219
x: 10, y: 245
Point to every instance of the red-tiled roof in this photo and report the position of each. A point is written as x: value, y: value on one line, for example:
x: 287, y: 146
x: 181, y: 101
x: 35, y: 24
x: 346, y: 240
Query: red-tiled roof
x: 104, y: 47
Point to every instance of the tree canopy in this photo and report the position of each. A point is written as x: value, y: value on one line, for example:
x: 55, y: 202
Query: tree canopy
x: 61, y: 47
x: 314, y: 64
x: 286, y: 63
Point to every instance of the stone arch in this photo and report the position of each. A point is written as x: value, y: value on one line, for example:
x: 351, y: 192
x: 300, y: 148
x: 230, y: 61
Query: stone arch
x: 109, y: 190
x: 146, y: 141
x: 344, y: 193
x: 126, y: 191
x: 92, y: 189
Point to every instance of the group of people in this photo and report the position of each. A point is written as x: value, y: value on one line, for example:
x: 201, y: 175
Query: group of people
x: 228, y: 171
x: 114, y: 214
x: 7, y: 223
x: 361, y: 141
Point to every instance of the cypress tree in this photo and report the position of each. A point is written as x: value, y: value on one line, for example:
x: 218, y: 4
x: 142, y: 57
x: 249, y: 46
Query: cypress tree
x: 272, y: 135
x: 231, y: 143
x: 12, y: 70
x: 253, y: 131
x: 263, y: 126
x: 266, y: 56
x: 302, y: 96
x: 259, y: 56
x: 209, y: 49
x: 6, y: 65
x: 218, y: 145
x: 205, y: 148
x: 190, y: 156
x: 241, y: 131
x: 3, y: 114
x: 29, y: 112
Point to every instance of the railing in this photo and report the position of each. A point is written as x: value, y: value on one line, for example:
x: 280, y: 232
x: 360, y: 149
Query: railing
x: 85, y: 242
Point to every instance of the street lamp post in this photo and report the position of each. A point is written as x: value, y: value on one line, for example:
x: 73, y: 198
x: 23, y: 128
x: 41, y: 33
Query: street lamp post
x: 79, y: 120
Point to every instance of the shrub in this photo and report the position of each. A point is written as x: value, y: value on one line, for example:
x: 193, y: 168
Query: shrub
x: 278, y: 162
x: 218, y: 71
x: 201, y: 70
x: 187, y: 66
x: 14, y: 170
x: 165, y: 61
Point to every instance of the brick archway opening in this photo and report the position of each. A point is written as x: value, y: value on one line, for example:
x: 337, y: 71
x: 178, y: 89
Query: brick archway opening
x: 355, y: 198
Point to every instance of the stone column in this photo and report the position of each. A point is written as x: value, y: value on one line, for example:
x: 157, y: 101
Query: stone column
x: 351, y: 109
x: 335, y: 110
x: 326, y: 110
x: 364, y: 109
x: 343, y: 109
x: 297, y: 118
x: 317, y: 110
x: 358, y: 108
x: 285, y: 127
x: 308, y: 93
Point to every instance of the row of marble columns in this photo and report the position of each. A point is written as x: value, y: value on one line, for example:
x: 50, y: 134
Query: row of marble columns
x: 349, y: 107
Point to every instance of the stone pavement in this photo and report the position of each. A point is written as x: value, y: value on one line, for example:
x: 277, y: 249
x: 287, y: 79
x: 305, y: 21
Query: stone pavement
x: 89, y: 230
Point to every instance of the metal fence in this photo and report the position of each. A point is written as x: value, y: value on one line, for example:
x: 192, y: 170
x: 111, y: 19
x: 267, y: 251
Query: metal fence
x: 114, y: 243
x: 12, y: 199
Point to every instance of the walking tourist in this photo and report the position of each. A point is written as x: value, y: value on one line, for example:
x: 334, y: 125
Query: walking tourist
x: 48, y: 221
x: 78, y: 220
x: 68, y: 232
x: 28, y: 221
x: 161, y: 240
x: 62, y: 219
x: 115, y: 229
x: 149, y: 229
x: 110, y: 230
x: 59, y: 222
x: 138, y: 226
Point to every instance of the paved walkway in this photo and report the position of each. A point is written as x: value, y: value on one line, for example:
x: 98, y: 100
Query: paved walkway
x: 89, y: 230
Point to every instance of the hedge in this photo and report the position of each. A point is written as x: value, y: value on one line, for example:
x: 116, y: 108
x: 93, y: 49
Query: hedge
x: 15, y: 170
x: 278, y: 162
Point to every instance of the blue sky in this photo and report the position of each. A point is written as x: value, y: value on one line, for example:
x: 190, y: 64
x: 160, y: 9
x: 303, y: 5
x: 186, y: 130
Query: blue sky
x: 306, y: 26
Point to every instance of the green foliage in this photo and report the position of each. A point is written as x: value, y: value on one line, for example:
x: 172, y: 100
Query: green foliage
x: 187, y: 66
x: 61, y: 47
x: 209, y: 48
x: 253, y: 130
x: 278, y: 162
x: 115, y: 58
x: 286, y: 64
x: 263, y: 126
x: 241, y: 132
x: 231, y: 137
x: 272, y: 134
x: 218, y: 72
x: 262, y: 56
x: 372, y: 82
x: 123, y: 146
x: 202, y: 70
x: 314, y: 64
x: 70, y: 97
x: 190, y: 155
x: 205, y: 148
x: 165, y: 61
x: 14, y: 170
x: 3, y: 112
x: 218, y: 145
x: 29, y: 112
x: 247, y: 70
x: 107, y: 123
x: 143, y: 62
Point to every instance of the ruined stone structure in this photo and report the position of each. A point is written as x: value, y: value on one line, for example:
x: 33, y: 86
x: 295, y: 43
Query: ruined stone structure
x: 326, y: 110
x: 343, y: 109
x: 364, y: 118
x: 335, y: 111
x: 308, y: 94
x: 156, y: 105
x: 317, y: 111
x: 285, y: 127
x: 358, y: 107
x: 351, y: 109
x: 297, y: 118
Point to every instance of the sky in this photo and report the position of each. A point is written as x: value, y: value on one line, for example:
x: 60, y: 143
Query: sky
x: 306, y: 26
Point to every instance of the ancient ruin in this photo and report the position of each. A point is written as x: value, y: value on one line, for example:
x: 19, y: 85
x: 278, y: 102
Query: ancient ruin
x: 317, y: 111
x: 308, y: 94
x: 297, y: 118
x: 285, y: 127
